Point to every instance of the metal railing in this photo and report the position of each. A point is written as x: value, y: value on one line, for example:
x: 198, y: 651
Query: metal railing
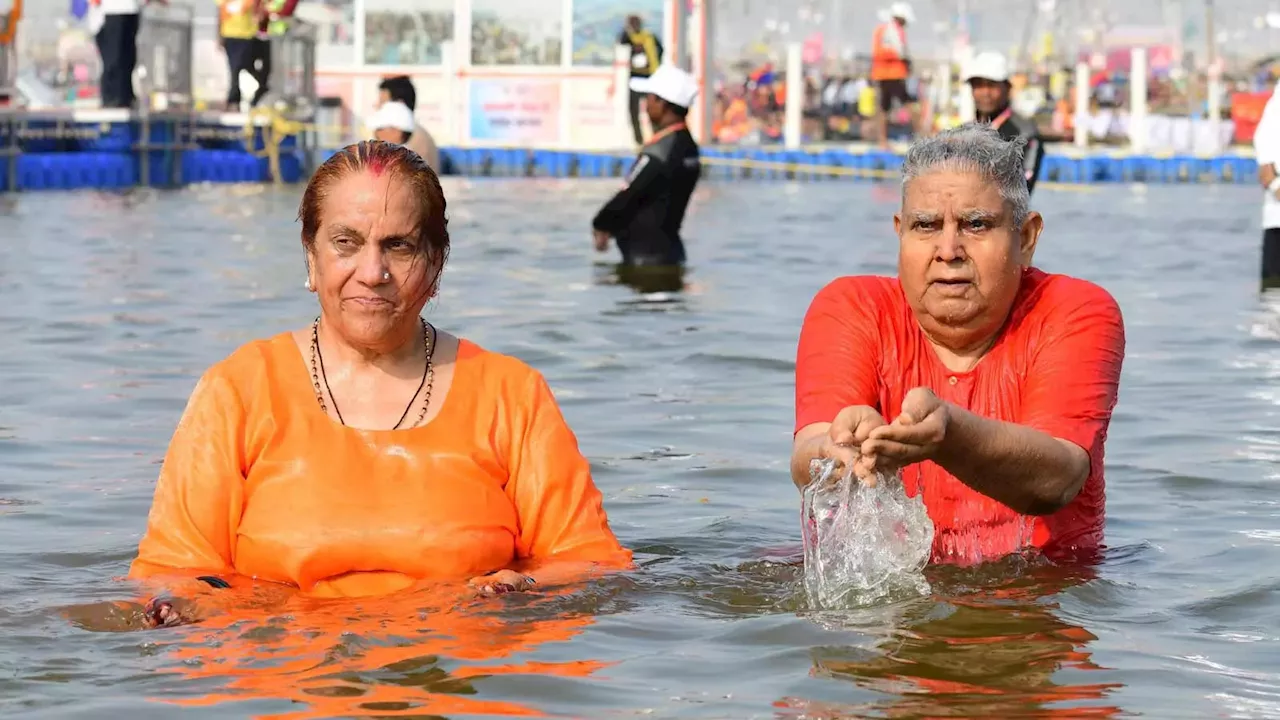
x: 293, y: 69
x: 165, y: 57
x: 8, y: 67
x: 153, y: 144
x: 292, y: 81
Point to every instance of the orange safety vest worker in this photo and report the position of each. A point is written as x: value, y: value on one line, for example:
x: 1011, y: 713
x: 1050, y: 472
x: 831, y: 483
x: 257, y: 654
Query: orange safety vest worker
x: 889, y: 52
x: 9, y: 23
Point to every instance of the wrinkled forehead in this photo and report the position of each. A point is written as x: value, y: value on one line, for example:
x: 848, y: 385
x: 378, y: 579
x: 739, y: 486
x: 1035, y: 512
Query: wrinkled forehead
x: 380, y: 202
x: 944, y: 191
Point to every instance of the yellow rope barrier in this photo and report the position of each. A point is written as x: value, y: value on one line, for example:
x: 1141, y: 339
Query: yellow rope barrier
x: 276, y: 130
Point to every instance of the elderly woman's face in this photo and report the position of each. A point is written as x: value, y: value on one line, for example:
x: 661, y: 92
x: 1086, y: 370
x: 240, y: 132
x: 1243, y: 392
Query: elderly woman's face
x: 367, y: 263
x: 960, y: 258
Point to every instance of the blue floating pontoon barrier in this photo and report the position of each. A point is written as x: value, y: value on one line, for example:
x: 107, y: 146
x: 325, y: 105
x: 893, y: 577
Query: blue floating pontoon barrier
x: 117, y: 150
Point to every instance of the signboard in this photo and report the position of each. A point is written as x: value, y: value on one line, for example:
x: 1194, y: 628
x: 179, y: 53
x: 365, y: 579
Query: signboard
x: 515, y: 110
x: 593, y: 115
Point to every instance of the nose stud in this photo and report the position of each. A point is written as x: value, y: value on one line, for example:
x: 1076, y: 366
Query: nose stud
x: 386, y: 276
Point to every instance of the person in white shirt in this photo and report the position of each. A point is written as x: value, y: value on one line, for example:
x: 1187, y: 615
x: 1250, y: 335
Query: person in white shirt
x: 115, y: 26
x: 1266, y: 146
x: 400, y: 89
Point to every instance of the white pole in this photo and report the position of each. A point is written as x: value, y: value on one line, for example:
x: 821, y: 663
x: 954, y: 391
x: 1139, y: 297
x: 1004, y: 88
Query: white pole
x: 1138, y: 99
x: 1082, y: 105
x: 678, y: 48
x: 448, y: 103
x: 622, y: 94
x: 671, y: 31
x: 357, y: 29
x: 1215, y: 107
x: 966, y: 108
x: 944, y: 94
x: 795, y: 96
x: 706, y: 53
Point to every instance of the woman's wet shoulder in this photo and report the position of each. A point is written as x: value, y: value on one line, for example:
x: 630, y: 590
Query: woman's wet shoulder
x: 496, y: 371
x: 256, y: 360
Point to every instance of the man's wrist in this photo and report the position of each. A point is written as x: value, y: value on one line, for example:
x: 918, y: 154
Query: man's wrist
x: 959, y: 435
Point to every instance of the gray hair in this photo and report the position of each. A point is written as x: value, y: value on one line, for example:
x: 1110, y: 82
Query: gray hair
x: 975, y: 148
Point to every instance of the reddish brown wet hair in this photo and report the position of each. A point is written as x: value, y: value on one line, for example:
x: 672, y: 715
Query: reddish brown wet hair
x: 378, y: 157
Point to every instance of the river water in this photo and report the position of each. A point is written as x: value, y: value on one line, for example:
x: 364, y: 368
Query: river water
x: 110, y: 308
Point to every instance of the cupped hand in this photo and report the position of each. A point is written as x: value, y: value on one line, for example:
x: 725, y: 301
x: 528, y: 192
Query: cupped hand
x: 502, y: 581
x: 915, y: 435
x: 850, y: 429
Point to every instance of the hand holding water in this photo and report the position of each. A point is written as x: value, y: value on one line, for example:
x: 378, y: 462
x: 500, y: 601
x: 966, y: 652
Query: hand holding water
x: 915, y: 435
x: 852, y: 427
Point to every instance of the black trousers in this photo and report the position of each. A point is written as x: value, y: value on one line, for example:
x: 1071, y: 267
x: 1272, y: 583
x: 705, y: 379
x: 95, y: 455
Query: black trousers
x: 635, y: 116
x: 247, y: 55
x: 117, y: 42
x: 1270, y: 258
x: 652, y: 248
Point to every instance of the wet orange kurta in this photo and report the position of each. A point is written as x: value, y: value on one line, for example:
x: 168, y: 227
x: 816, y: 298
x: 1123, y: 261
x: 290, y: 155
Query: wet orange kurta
x: 260, y: 482
x: 1055, y: 367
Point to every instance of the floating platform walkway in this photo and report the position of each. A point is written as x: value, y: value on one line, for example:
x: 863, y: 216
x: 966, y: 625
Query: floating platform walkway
x: 116, y: 150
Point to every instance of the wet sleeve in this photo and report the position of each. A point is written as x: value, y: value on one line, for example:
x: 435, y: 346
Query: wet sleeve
x: 199, y: 495
x: 618, y: 213
x: 838, y: 357
x: 1074, y: 378
x: 560, y: 510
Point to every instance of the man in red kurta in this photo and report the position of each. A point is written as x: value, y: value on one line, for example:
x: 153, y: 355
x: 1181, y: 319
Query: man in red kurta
x: 987, y: 382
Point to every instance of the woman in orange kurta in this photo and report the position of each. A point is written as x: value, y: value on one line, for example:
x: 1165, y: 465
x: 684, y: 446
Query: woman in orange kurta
x: 370, y: 453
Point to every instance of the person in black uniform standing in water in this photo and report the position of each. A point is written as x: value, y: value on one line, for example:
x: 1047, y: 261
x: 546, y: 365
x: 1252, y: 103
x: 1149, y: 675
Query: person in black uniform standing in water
x: 988, y: 78
x: 646, y: 56
x: 645, y: 216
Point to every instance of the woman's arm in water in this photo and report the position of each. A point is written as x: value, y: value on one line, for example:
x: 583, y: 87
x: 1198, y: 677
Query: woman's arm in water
x: 564, y: 531
x: 199, y: 497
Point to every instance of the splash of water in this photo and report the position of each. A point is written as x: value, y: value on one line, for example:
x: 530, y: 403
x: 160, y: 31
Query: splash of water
x: 862, y: 545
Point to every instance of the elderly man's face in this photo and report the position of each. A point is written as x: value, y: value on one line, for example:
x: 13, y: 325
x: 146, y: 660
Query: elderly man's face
x: 960, y: 258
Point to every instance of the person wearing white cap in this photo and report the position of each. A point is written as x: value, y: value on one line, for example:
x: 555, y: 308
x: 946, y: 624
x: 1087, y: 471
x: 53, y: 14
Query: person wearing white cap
x: 890, y: 66
x: 399, y: 88
x: 393, y: 123
x: 646, y: 215
x: 988, y: 78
